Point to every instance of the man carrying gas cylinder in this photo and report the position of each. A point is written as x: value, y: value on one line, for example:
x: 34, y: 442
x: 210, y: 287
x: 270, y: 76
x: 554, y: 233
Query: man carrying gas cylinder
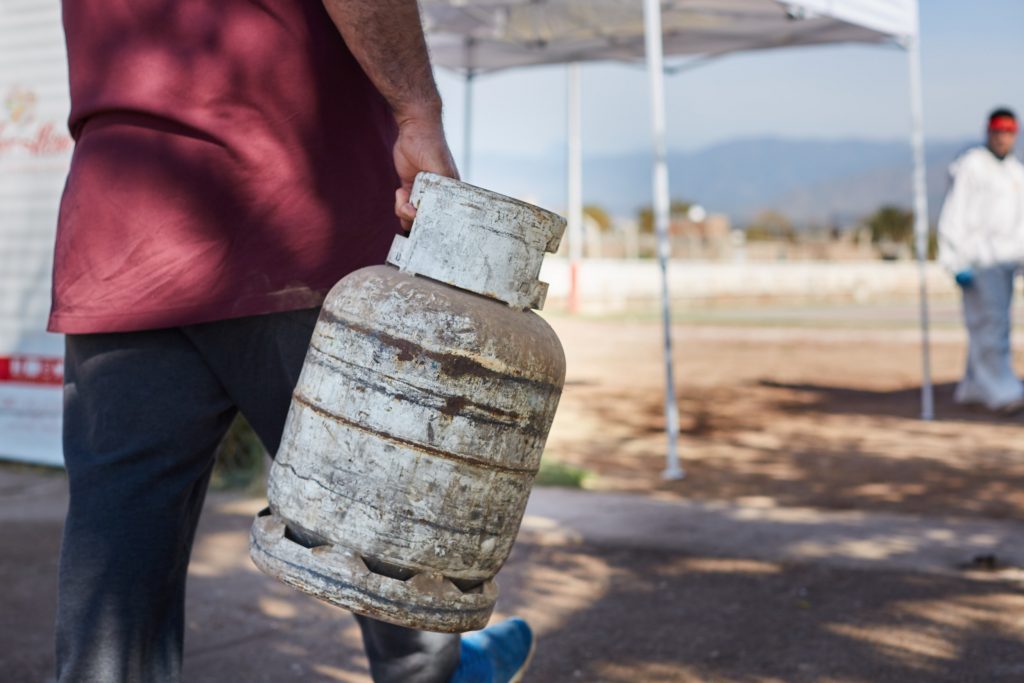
x: 981, y: 243
x: 233, y: 160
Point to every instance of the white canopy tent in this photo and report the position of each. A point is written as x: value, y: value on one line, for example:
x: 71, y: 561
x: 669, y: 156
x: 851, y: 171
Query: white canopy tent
x: 490, y: 35
x: 482, y: 36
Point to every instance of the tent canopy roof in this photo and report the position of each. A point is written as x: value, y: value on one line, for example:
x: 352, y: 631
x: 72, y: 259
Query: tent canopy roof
x: 488, y: 35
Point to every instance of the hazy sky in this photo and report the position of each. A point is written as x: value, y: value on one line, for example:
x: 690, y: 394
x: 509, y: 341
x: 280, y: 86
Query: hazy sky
x: 972, y: 51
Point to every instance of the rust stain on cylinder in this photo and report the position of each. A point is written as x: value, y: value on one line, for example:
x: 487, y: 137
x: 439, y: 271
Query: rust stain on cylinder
x: 454, y: 365
x: 412, y: 445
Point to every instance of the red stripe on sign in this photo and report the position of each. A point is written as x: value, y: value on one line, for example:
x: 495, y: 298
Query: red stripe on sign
x: 27, y: 369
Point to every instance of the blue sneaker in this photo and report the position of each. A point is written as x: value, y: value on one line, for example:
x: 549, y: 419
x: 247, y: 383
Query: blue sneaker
x: 498, y: 654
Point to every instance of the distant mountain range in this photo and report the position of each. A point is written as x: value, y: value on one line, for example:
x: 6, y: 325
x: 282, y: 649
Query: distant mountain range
x: 812, y: 182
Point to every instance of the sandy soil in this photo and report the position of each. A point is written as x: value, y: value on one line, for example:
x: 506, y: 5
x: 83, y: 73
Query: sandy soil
x: 822, y: 418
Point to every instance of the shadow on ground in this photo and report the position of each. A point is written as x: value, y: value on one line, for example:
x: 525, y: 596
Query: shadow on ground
x: 841, y: 400
x: 616, y: 616
x: 667, y: 617
x: 801, y: 444
x: 605, y: 614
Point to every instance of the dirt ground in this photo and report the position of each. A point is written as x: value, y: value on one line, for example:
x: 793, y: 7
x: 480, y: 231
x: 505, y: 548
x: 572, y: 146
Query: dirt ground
x: 826, y: 418
x: 784, y: 416
x: 795, y: 422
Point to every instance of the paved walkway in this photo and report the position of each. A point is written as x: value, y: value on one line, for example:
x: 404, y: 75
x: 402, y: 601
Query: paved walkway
x: 621, y: 588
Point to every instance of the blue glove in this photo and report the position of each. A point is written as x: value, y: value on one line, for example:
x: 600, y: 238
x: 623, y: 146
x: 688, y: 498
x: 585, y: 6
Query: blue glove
x: 965, y: 278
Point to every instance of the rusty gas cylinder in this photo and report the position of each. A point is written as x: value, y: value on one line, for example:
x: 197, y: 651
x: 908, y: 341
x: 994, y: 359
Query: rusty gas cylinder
x: 419, y: 419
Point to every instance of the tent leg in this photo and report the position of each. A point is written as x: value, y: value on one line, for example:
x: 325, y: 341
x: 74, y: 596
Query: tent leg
x: 467, y: 126
x: 921, y: 221
x: 655, y: 68
x: 575, y: 175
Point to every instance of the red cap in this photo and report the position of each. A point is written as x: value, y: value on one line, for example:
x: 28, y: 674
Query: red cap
x: 1003, y: 124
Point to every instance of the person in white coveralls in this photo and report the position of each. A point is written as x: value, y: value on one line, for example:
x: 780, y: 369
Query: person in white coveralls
x: 981, y: 243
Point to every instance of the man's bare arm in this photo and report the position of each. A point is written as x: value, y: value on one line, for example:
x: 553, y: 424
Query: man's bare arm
x: 386, y: 38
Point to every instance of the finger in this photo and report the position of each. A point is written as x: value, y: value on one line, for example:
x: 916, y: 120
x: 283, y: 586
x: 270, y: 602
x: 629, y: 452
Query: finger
x: 402, y: 195
x: 405, y: 211
x: 398, y: 203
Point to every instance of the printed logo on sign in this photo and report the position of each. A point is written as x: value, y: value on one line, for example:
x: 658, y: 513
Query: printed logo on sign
x: 20, y: 130
x: 20, y: 105
x: 26, y: 369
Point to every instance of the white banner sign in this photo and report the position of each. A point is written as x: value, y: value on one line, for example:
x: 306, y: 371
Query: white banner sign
x: 34, y: 154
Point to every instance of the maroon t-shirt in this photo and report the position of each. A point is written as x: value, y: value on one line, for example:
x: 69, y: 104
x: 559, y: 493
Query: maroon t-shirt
x: 231, y: 159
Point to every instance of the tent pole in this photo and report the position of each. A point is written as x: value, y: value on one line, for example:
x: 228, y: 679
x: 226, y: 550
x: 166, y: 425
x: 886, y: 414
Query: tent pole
x: 921, y: 220
x: 655, y: 69
x: 575, y: 174
x: 467, y: 111
x: 467, y: 125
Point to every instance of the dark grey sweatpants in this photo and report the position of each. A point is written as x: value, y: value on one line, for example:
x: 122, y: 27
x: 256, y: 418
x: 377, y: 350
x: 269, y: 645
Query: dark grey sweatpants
x: 143, y: 414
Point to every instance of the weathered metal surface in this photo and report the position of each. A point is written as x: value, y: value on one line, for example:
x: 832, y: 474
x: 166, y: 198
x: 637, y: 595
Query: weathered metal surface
x: 478, y: 240
x: 340, y: 576
x: 414, y: 434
